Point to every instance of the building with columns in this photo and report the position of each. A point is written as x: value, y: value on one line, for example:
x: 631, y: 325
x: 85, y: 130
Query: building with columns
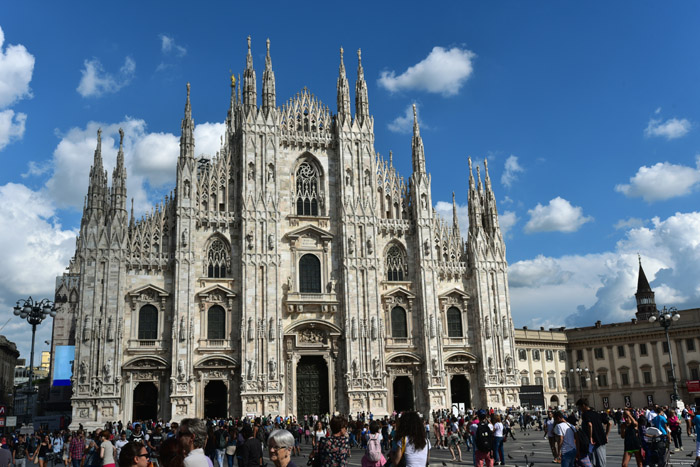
x: 294, y: 272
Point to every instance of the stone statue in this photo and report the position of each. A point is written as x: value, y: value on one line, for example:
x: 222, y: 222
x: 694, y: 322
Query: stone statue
x: 83, y: 371
x: 251, y: 171
x: 181, y: 369
x: 107, y: 370
x: 251, y: 329
x: 436, y: 370
x: 270, y: 173
x: 183, y: 329
x: 487, y: 328
x: 188, y: 189
x: 490, y: 364
x: 354, y: 368
x: 353, y: 329
x: 505, y: 327
x: 251, y: 369
x: 110, y: 330
x: 289, y: 283
x: 370, y: 246
x: 432, y: 326
x: 271, y: 330
x: 509, y: 365
x: 184, y: 238
x: 351, y: 244
x: 271, y: 242
x: 272, y: 365
x: 249, y: 239
x: 373, y: 328
x: 375, y: 367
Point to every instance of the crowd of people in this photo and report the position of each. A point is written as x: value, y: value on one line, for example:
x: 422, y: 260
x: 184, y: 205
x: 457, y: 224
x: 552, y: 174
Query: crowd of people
x: 577, y: 438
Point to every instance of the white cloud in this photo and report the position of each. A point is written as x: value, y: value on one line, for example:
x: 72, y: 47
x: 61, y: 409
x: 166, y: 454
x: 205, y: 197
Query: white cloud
x: 512, y: 169
x: 581, y: 289
x: 16, y: 68
x: 507, y: 219
x: 168, y: 46
x: 632, y: 222
x: 11, y: 126
x: 558, y: 216
x: 443, y: 71
x: 96, y: 81
x: 404, y: 123
x: 661, y: 181
x: 32, y: 259
x: 670, y: 129
x: 444, y: 209
x: 150, y: 159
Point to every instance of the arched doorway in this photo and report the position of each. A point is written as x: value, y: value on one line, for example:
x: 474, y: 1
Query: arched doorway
x: 403, y: 394
x: 554, y: 402
x: 460, y: 392
x: 215, y: 400
x: 145, y: 402
x: 312, y: 386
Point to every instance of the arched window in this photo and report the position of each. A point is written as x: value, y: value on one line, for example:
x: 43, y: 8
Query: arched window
x: 399, y: 328
x: 522, y: 355
x: 309, y: 274
x: 307, y: 190
x: 216, y: 323
x: 454, y: 322
x: 218, y: 261
x: 396, y: 268
x: 536, y: 355
x: 148, y: 322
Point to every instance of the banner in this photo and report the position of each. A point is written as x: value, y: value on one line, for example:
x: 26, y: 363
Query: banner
x: 63, y: 365
x: 693, y: 385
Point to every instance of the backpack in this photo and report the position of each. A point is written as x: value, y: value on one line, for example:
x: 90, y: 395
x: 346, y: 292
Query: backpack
x: 374, y: 448
x: 221, y: 439
x: 583, y: 441
x: 483, y: 438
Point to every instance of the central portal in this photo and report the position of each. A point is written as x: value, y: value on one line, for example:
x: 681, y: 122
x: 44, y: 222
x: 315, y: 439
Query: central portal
x: 312, y: 386
x: 215, y: 400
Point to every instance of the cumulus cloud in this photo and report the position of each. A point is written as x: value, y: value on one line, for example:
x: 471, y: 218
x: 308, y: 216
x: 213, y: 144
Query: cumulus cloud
x: 43, y: 243
x: 507, y: 220
x: 168, y: 46
x: 558, y: 216
x: 662, y: 181
x: 16, y: 68
x: 512, y: 169
x: 582, y: 289
x: 404, y: 123
x: 96, y: 81
x: 11, y: 126
x: 150, y: 159
x: 632, y: 222
x: 670, y: 129
x: 443, y: 71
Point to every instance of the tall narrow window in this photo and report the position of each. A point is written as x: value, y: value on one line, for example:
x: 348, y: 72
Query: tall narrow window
x: 396, y: 267
x: 148, y: 322
x: 307, y: 190
x: 309, y: 274
x: 216, y: 323
x: 399, y: 326
x: 454, y: 322
x: 218, y: 261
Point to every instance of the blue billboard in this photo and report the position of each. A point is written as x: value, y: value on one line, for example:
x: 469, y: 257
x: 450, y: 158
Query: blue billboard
x: 63, y: 365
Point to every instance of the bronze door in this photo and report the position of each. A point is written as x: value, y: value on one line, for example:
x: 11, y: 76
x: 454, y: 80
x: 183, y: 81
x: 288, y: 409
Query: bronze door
x: 312, y: 386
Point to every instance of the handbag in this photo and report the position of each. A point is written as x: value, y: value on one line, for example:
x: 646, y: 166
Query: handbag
x: 402, y: 461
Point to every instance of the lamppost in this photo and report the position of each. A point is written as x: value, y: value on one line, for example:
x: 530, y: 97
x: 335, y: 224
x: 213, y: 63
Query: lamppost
x: 579, y: 372
x: 665, y: 317
x: 34, y: 312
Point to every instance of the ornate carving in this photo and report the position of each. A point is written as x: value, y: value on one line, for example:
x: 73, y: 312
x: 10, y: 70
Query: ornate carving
x: 312, y: 336
x: 107, y: 370
x: 181, y: 370
x: 272, y: 368
x: 83, y: 371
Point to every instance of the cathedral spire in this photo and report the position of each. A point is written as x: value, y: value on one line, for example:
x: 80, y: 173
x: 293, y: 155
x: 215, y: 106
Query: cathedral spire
x: 646, y: 304
x: 131, y: 218
x: 268, y: 83
x: 249, y: 93
x: 118, y: 198
x: 473, y: 202
x: 361, y: 99
x: 490, y: 209
x: 232, y: 107
x: 418, y: 153
x: 187, y: 134
x: 455, y: 219
x: 343, y: 92
x: 97, y: 189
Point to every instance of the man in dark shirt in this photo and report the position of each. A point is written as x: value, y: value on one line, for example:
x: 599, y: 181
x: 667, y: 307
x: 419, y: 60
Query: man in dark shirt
x: 597, y: 427
x: 19, y: 453
x: 252, y: 448
x: 137, y: 435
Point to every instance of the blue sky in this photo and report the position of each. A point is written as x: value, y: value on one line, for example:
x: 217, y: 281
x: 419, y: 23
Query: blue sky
x: 588, y: 115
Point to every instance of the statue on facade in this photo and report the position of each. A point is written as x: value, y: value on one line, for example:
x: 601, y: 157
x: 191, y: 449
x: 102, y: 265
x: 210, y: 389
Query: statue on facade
x: 251, y: 369
x: 107, y: 370
x: 271, y: 242
x: 181, y: 369
x: 370, y: 246
x: 183, y: 329
x: 251, y: 329
x: 83, y: 371
x: 375, y: 367
x: 110, y: 330
x: 432, y: 326
x: 271, y: 329
x: 86, y: 329
x: 351, y: 244
x: 436, y: 368
x: 184, y: 238
x: 487, y: 328
x: 505, y: 327
x: 373, y: 328
x: 354, y: 369
x: 353, y: 329
x: 272, y: 367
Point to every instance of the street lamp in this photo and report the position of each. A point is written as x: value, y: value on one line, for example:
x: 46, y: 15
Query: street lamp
x: 665, y: 317
x: 579, y: 372
x: 34, y: 312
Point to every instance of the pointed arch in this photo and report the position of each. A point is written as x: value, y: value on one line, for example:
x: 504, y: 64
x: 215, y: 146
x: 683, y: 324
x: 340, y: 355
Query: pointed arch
x: 217, y: 257
x: 308, y: 186
x: 395, y: 263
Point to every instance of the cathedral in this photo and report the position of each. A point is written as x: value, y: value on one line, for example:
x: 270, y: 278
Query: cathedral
x: 294, y: 272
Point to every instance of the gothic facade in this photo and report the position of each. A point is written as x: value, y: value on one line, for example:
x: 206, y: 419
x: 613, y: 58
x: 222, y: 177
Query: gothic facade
x: 294, y: 272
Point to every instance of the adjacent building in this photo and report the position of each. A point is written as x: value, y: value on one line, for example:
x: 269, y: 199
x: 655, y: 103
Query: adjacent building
x: 294, y: 272
x: 8, y: 360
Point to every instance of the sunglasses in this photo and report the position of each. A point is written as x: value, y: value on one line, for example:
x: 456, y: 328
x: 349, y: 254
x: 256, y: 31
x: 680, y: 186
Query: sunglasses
x: 144, y: 455
x: 275, y: 449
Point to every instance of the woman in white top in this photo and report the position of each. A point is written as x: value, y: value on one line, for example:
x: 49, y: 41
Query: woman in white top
x: 319, y: 433
x: 412, y: 442
x: 497, y: 440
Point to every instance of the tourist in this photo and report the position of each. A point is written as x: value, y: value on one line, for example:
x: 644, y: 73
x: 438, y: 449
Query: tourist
x: 5, y: 456
x: 76, y: 449
x: 597, y: 427
x: 231, y: 446
x: 221, y: 439
x: 193, y: 434
x: 453, y: 439
x: 335, y: 449
x: 137, y: 435
x: 251, y: 451
x: 92, y: 453
x: 630, y: 433
x: 42, y: 451
x: 120, y: 443
x: 566, y: 442
x: 498, y: 456
x: 549, y: 429
x: 674, y: 425
x: 483, y: 442
x: 373, y: 455
x: 412, y: 443
x: 20, y: 453
x: 133, y: 454
x: 319, y: 433
x: 107, y: 450
x: 696, y: 425
x: 279, y: 448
